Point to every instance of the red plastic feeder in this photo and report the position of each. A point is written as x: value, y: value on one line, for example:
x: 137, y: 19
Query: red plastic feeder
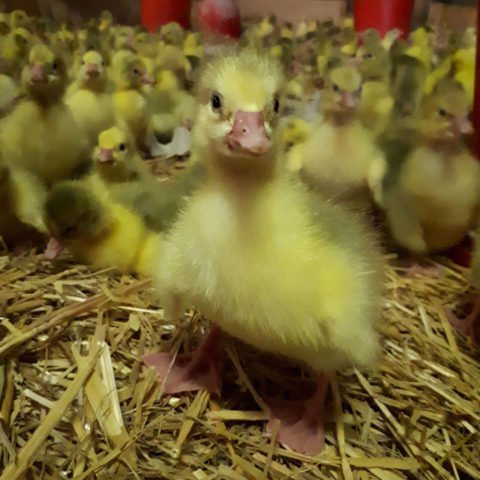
x: 219, y: 18
x: 383, y: 15
x: 156, y: 13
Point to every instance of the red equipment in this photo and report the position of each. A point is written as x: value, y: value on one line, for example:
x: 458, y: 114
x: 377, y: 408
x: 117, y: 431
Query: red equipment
x: 219, y: 17
x: 383, y: 15
x: 156, y: 13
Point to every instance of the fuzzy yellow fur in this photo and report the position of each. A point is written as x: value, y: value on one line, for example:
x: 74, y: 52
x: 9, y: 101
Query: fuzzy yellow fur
x: 122, y: 240
x: 340, y: 155
x: 294, y: 133
x: 44, y: 141
x: 445, y: 194
x: 131, y: 110
x: 286, y: 272
x: 130, y: 105
x: 340, y: 159
x: 91, y: 106
x: 93, y: 111
x: 434, y: 201
x: 127, y: 163
x: 120, y: 245
x: 275, y: 278
x: 376, y: 104
x: 22, y: 198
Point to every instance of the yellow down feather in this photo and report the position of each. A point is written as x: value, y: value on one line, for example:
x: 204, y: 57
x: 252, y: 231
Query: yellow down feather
x: 288, y: 273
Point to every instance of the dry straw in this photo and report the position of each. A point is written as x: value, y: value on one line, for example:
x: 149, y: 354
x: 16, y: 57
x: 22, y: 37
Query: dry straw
x: 77, y: 402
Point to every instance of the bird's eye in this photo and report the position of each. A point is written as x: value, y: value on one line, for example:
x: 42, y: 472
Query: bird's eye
x: 216, y: 101
x: 336, y: 88
x: 83, y: 62
x: 103, y: 63
x: 68, y: 232
x: 122, y: 147
x: 442, y: 112
x: 276, y: 105
x: 368, y: 55
x: 136, y: 71
x: 54, y: 65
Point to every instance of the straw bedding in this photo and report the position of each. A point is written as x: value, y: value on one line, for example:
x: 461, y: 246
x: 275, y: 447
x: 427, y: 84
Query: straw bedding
x: 77, y: 401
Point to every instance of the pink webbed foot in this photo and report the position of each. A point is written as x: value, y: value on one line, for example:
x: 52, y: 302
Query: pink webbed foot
x: 302, y: 423
x: 468, y: 326
x: 54, y: 248
x: 190, y: 372
x: 417, y: 270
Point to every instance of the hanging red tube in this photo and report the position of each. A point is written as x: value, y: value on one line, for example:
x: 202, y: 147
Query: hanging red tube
x: 383, y: 15
x: 476, y: 101
x: 156, y: 13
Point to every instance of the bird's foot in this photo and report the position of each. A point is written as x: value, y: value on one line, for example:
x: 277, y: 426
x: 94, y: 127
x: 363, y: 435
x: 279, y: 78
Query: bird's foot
x: 417, y: 270
x: 468, y: 326
x: 190, y: 372
x: 302, y: 423
x: 298, y: 430
x: 54, y: 248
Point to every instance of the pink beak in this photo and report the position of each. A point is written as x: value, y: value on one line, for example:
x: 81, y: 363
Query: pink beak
x: 354, y: 62
x: 348, y: 100
x: 38, y: 73
x: 462, y: 125
x: 146, y: 80
x: 105, y: 155
x: 248, y: 134
x: 131, y: 42
x: 91, y: 69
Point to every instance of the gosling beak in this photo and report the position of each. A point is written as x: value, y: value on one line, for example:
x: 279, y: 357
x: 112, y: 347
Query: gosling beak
x: 348, y: 100
x: 92, y: 70
x: 105, y: 155
x: 462, y: 125
x: 354, y: 62
x: 146, y: 80
x: 38, y: 73
x: 131, y: 42
x: 248, y: 134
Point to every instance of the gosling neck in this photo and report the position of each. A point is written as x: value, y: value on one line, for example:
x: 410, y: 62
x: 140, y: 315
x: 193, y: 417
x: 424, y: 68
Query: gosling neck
x: 339, y: 118
x: 444, y: 146
x: 242, y: 178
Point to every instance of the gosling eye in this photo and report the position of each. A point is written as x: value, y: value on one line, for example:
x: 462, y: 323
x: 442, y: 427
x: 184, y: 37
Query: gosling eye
x: 336, y: 88
x: 68, y: 232
x: 216, y: 102
x: 122, y: 147
x: 136, y: 71
x: 368, y: 55
x: 276, y: 105
x: 54, y: 65
x: 442, y: 112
